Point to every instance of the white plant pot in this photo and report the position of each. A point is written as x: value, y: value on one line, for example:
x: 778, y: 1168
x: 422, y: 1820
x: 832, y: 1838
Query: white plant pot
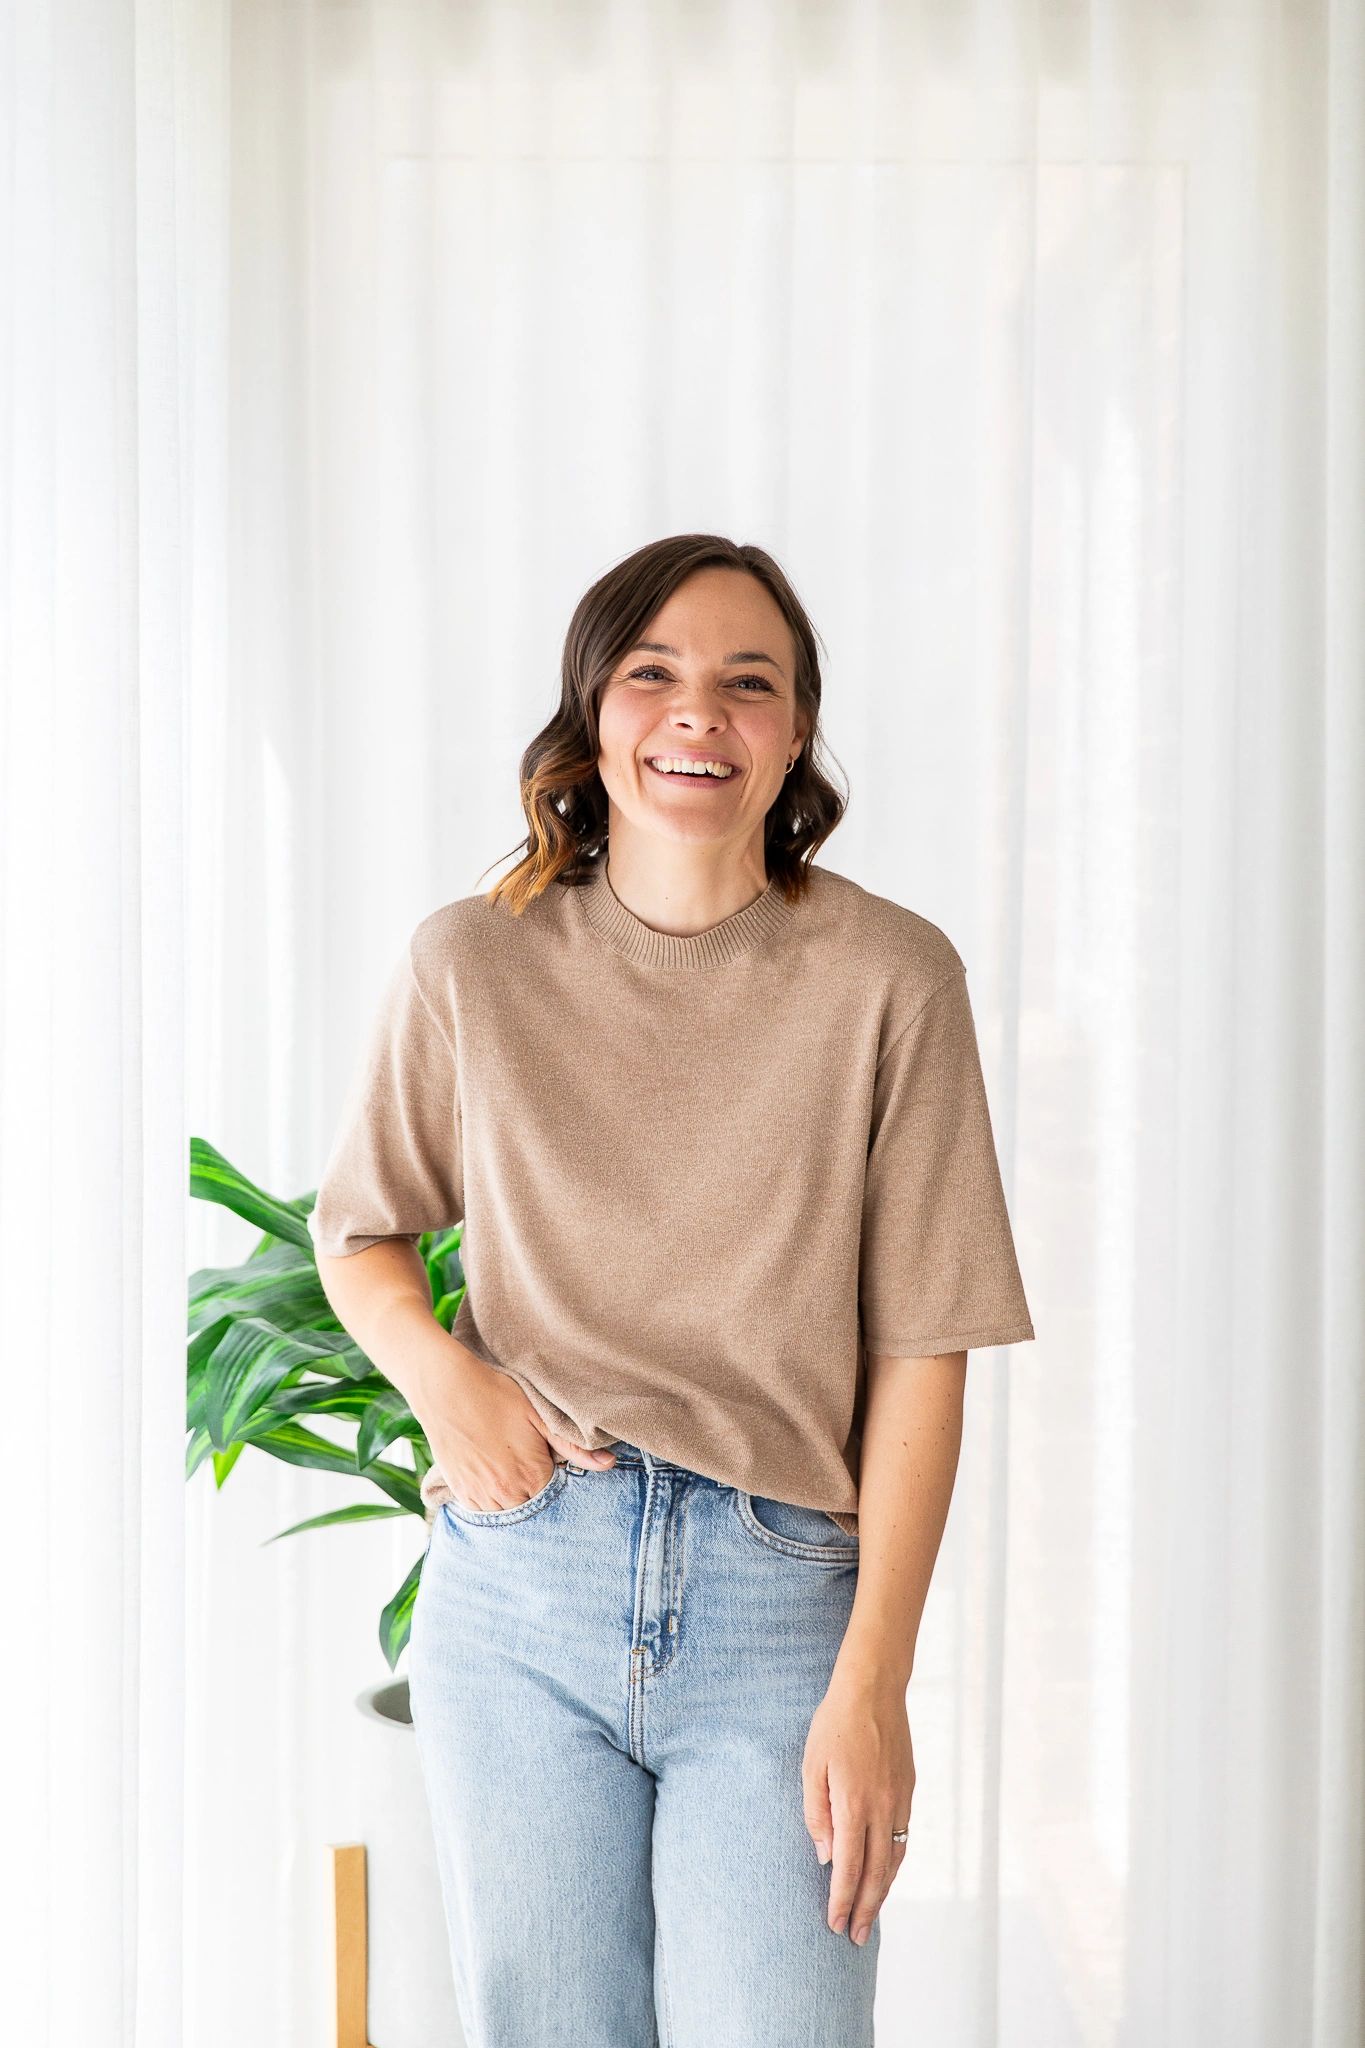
x: 411, y: 2000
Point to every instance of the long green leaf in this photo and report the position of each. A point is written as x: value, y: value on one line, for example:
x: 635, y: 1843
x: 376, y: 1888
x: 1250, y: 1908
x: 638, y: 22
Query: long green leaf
x: 249, y: 1361
x: 395, y: 1623
x: 387, y: 1417
x: 288, y: 1294
x: 361, y: 1511
x: 299, y: 1446
x: 213, y: 1178
x: 350, y: 1398
x: 223, y: 1462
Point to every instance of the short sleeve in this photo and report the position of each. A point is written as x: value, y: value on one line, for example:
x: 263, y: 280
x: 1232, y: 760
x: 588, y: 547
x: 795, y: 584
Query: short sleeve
x: 395, y: 1168
x: 937, y: 1270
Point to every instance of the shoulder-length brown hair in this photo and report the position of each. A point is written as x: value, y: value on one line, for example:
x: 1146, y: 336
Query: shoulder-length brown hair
x: 562, y: 793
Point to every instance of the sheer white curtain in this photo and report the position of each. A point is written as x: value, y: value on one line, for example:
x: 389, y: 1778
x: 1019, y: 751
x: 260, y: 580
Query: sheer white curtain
x: 112, y: 399
x: 349, y: 342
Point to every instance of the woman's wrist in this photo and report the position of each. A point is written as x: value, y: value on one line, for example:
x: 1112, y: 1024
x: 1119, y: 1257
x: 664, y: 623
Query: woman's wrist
x: 874, y: 1661
x: 441, y: 1378
x: 430, y: 1368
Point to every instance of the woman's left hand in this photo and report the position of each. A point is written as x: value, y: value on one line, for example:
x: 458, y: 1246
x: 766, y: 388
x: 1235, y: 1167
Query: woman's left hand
x: 858, y: 1778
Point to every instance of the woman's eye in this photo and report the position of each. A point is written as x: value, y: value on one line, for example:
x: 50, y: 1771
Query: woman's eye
x: 652, y: 669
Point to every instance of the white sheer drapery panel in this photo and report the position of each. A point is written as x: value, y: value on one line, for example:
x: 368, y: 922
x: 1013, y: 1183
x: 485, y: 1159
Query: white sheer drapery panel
x: 109, y: 382
x: 1336, y: 1510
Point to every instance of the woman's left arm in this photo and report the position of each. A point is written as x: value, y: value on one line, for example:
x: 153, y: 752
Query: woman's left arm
x: 858, y: 1773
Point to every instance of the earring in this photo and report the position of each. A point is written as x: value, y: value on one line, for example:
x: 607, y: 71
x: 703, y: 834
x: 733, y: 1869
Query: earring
x: 788, y: 769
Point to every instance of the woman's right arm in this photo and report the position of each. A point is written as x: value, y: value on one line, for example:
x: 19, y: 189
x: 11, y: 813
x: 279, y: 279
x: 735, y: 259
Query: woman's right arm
x: 485, y: 1436
x: 396, y: 1169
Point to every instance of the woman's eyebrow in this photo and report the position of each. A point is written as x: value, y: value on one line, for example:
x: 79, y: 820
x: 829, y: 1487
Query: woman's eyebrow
x: 745, y: 654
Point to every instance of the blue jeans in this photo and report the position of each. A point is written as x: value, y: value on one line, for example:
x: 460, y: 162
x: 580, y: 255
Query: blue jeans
x: 611, y: 1685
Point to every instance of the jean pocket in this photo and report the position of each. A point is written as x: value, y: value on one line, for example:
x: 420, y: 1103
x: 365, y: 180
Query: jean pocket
x: 796, y: 1531
x: 496, y: 1517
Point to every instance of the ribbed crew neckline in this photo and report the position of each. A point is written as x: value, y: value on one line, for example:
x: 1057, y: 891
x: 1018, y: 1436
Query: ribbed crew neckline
x: 717, y: 945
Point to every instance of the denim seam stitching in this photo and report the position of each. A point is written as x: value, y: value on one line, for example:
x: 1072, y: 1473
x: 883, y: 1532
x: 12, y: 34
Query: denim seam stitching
x: 669, y: 2036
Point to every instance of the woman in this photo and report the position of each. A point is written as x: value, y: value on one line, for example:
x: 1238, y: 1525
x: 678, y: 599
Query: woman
x: 714, y: 1121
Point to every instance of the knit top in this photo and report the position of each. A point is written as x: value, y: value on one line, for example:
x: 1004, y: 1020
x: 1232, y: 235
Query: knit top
x: 700, y: 1177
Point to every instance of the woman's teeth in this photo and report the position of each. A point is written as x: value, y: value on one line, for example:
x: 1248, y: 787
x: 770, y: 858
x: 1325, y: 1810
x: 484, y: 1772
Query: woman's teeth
x: 672, y: 764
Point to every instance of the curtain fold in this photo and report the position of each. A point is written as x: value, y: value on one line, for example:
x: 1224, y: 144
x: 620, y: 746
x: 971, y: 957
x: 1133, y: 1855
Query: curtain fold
x: 111, y: 371
x: 1338, y: 1993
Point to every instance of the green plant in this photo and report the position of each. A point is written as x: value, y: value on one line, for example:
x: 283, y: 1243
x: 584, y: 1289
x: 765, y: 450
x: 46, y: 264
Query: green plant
x: 266, y: 1351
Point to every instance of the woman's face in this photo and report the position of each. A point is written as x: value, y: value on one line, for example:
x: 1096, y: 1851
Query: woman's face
x: 712, y: 679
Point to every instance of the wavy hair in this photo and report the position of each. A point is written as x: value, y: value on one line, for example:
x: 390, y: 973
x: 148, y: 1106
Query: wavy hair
x: 562, y: 792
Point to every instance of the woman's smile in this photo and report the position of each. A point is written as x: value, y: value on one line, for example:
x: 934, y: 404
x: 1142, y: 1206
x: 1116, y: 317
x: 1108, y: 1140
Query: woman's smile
x: 699, y: 772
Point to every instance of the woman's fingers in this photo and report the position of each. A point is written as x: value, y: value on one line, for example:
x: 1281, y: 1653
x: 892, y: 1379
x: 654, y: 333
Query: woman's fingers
x: 815, y: 1805
x: 846, y: 1871
x: 579, y: 1454
x: 865, y: 1864
x: 881, y: 1860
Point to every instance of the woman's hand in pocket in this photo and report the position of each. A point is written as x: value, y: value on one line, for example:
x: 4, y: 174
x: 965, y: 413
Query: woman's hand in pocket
x: 490, y: 1445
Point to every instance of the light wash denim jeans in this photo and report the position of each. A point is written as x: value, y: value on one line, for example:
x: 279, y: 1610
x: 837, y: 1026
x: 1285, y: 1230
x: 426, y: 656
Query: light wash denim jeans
x: 611, y: 1685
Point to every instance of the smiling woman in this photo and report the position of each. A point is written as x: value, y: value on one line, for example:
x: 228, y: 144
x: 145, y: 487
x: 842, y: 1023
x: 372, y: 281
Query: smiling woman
x: 691, y: 651
x: 684, y: 1326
